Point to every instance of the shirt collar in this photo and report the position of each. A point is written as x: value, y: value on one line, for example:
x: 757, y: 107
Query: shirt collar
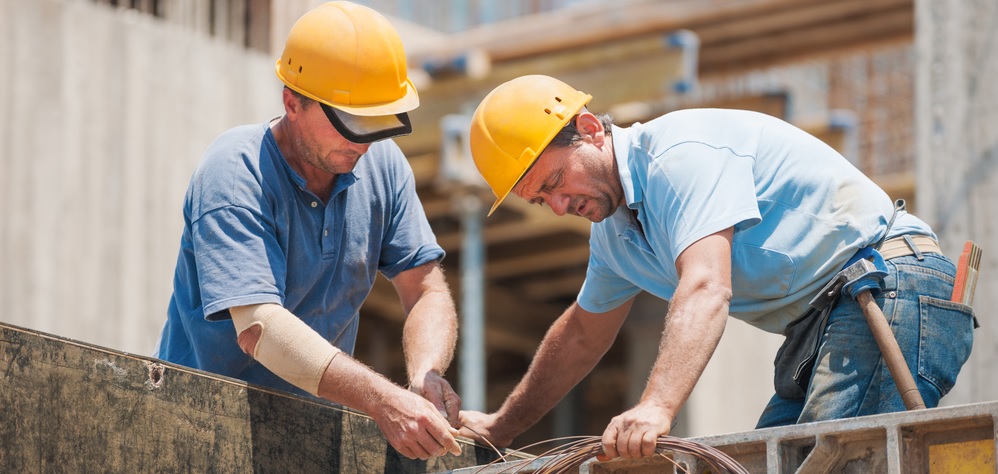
x: 622, y: 153
x: 343, y: 181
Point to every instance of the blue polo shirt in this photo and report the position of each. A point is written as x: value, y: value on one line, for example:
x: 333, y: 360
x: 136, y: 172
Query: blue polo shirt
x: 798, y: 208
x: 253, y: 233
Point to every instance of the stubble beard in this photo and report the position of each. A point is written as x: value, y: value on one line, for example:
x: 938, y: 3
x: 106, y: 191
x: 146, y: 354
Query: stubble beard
x: 308, y: 154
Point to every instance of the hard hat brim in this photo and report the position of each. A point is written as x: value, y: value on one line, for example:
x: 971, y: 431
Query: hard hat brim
x: 367, y: 129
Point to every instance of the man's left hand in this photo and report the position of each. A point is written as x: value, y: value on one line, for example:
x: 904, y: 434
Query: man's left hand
x: 433, y: 387
x: 634, y: 433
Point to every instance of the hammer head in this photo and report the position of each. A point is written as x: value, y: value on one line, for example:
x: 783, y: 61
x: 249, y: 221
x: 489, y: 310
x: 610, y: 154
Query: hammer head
x: 866, y: 272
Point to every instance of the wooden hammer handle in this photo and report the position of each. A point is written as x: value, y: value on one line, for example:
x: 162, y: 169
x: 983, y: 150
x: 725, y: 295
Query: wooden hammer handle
x: 891, y: 351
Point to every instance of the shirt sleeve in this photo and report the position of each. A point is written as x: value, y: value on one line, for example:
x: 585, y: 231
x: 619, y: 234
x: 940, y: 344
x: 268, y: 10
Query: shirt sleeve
x: 238, y: 258
x: 227, y: 244
x: 603, y: 289
x: 408, y: 241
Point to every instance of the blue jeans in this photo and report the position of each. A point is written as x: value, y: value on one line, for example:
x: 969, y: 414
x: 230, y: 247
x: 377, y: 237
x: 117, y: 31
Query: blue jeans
x: 850, y: 377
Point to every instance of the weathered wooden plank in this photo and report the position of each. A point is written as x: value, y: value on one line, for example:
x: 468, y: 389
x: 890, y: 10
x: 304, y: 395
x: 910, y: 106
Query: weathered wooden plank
x: 74, y: 407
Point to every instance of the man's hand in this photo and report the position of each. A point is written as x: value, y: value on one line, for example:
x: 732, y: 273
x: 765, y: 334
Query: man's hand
x: 634, y: 433
x: 483, y: 427
x: 414, y: 427
x: 433, y: 387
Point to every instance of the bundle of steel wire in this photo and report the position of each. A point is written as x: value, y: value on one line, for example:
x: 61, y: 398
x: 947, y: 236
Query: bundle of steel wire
x: 569, y: 457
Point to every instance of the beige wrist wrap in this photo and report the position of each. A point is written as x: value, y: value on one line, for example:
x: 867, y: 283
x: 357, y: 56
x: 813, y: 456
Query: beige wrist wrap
x: 284, y: 344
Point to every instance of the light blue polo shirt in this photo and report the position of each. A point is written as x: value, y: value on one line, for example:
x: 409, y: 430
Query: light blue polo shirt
x: 799, y: 211
x: 253, y: 234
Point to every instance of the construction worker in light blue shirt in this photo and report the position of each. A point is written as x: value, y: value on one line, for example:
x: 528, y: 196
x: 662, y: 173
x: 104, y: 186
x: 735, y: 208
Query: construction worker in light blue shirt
x: 720, y: 212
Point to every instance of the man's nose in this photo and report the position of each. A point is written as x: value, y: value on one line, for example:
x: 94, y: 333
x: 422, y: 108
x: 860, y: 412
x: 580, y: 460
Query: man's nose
x: 559, y: 204
x: 360, y: 148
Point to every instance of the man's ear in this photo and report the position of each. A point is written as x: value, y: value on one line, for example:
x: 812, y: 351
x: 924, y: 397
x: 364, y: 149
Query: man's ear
x: 292, y: 103
x: 590, y: 127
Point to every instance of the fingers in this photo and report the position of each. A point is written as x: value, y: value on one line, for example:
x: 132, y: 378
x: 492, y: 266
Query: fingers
x: 439, y: 392
x: 635, y: 443
x: 434, y: 440
x: 452, y: 404
x: 450, y: 444
x: 648, y: 443
x: 484, y: 428
x: 439, y: 440
x: 468, y: 428
x: 416, y: 429
x: 628, y: 440
x: 610, y: 443
x: 440, y: 432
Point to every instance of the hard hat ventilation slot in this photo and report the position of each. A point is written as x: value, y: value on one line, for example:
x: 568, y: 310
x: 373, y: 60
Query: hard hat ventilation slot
x: 547, y: 111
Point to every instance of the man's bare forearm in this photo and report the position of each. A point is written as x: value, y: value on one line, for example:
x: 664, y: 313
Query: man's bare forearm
x: 430, y: 333
x: 693, y: 329
x: 697, y: 315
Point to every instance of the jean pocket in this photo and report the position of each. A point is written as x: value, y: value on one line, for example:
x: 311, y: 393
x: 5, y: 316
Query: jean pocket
x: 945, y: 338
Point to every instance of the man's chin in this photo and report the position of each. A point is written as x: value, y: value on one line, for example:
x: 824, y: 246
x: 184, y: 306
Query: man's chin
x: 597, y: 217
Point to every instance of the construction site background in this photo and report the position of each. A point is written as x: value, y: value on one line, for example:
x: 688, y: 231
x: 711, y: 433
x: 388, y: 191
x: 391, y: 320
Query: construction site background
x: 107, y: 107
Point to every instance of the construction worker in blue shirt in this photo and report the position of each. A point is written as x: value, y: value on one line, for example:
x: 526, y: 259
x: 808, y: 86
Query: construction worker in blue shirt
x: 288, y: 223
x: 720, y: 212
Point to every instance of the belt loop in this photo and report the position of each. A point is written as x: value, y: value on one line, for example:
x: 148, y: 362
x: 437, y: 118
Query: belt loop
x: 914, y: 248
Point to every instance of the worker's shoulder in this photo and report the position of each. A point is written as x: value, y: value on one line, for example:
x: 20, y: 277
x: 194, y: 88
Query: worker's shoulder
x: 237, y: 160
x: 713, y: 113
x: 384, y: 158
x: 239, y: 139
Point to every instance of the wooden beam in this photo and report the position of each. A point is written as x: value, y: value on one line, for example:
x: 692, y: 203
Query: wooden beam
x: 383, y: 303
x: 650, y: 64
x: 799, y: 17
x: 586, y: 25
x: 521, y: 230
x: 533, y: 263
x: 548, y: 288
x: 425, y: 167
x: 790, y: 44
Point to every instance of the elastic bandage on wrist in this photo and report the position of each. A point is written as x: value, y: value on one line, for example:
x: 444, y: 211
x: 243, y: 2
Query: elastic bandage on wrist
x: 286, y: 345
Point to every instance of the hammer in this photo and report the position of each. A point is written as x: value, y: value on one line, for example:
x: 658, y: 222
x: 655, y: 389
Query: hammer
x: 864, y: 273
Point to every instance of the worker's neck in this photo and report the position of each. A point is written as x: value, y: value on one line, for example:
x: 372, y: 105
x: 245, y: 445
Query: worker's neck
x: 318, y: 181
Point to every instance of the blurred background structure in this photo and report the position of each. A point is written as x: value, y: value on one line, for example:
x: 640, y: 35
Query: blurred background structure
x: 107, y: 106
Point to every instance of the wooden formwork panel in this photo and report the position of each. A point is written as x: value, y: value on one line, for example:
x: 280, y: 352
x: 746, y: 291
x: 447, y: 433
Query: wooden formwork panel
x: 74, y: 407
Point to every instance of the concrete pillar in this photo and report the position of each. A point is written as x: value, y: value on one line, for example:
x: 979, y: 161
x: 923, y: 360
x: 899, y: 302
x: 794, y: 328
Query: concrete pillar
x: 957, y: 157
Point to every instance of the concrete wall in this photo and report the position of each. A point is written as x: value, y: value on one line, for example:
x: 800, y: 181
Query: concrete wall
x: 103, y: 115
x: 957, y: 157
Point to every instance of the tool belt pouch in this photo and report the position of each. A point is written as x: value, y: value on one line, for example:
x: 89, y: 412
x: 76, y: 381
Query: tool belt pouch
x: 795, y: 360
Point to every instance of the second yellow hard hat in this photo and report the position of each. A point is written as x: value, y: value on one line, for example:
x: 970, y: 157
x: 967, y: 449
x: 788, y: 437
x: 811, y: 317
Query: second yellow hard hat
x: 513, y: 125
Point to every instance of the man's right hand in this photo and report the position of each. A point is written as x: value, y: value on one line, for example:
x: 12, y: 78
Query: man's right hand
x: 414, y: 427
x: 483, y: 426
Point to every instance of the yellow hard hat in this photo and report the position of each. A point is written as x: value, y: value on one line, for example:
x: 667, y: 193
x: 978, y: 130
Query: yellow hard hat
x: 513, y: 125
x: 350, y: 59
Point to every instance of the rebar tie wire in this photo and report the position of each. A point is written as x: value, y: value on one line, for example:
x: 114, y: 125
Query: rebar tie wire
x: 570, y: 457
